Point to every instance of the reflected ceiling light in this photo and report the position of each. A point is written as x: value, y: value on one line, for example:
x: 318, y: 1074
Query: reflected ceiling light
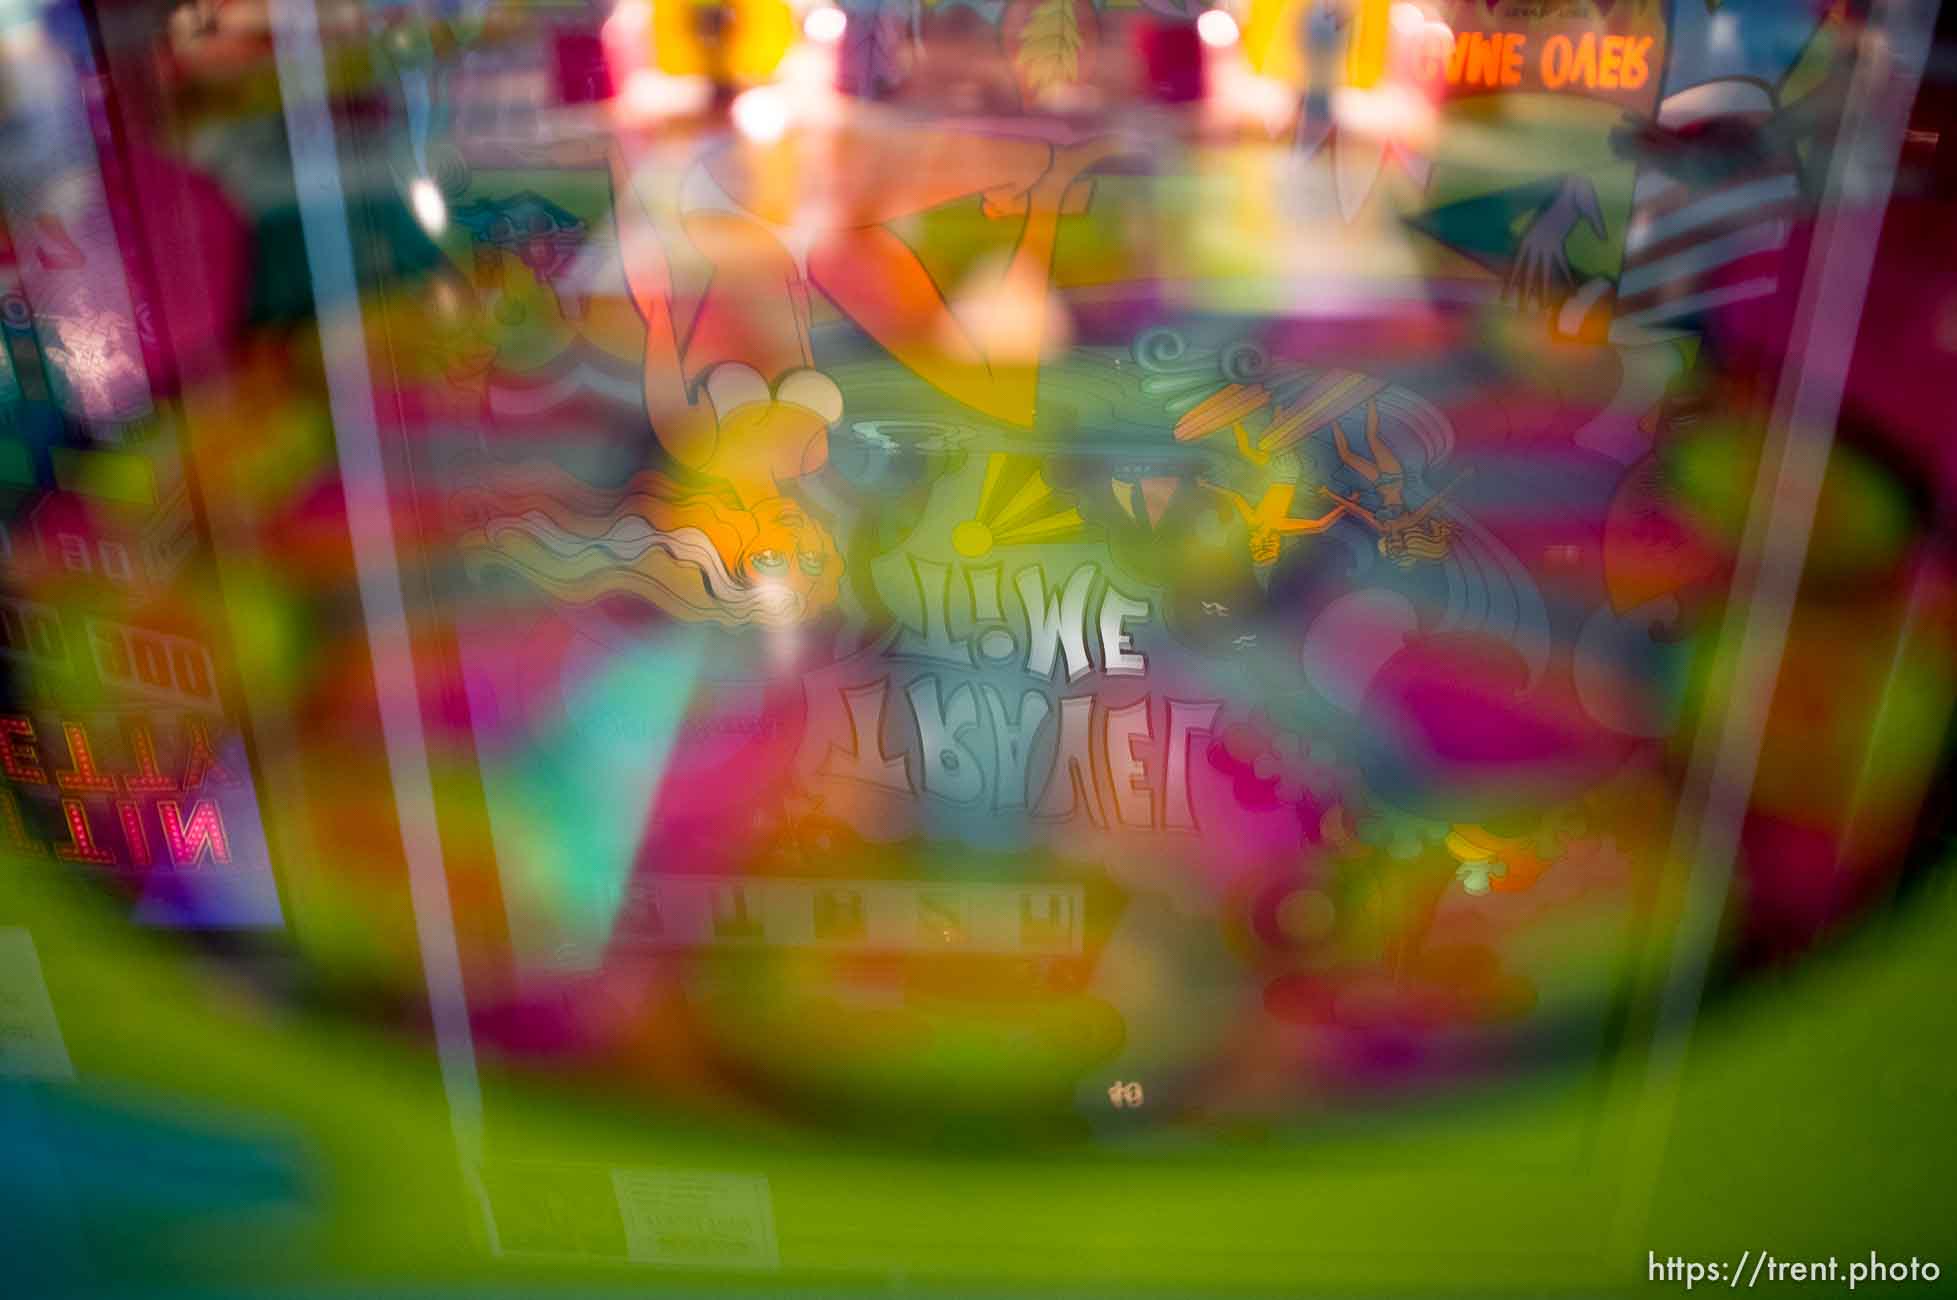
x: 1217, y: 29
x: 761, y: 114
x: 429, y: 207
x: 825, y: 24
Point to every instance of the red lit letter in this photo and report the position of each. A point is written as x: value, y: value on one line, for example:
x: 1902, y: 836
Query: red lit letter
x: 201, y: 764
x: 133, y: 834
x: 1613, y: 62
x: 188, y: 840
x: 84, y: 779
x: 1558, y: 53
x: 81, y: 845
x: 1457, y: 57
x: 1484, y: 61
x: 1584, y: 67
x: 149, y: 778
x: 1512, y: 59
x: 1637, y: 65
x: 17, y: 756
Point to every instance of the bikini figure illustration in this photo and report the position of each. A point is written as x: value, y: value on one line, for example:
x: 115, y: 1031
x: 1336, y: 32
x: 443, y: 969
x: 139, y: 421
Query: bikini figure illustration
x: 731, y: 385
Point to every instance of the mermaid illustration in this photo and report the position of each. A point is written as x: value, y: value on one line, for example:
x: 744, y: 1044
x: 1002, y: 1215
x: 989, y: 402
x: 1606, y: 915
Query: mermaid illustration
x: 730, y: 384
x: 1406, y: 536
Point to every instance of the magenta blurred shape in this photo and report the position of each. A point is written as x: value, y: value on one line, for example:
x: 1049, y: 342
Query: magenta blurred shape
x: 579, y: 61
x: 1172, y: 60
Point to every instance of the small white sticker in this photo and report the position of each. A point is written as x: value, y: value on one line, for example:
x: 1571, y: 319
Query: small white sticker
x: 697, y: 1219
x: 30, y: 1037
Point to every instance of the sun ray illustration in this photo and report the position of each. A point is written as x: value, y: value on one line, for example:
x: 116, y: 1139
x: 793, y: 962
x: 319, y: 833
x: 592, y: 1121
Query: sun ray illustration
x: 1016, y: 506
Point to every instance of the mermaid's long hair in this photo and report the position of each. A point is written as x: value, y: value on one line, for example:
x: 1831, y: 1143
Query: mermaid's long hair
x: 690, y: 554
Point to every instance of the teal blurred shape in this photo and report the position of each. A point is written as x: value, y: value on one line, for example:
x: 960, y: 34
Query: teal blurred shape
x: 85, y: 1173
x: 573, y: 803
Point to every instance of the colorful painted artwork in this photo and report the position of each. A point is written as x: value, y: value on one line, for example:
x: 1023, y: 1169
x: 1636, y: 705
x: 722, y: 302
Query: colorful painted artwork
x: 975, y: 646
x: 897, y: 548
